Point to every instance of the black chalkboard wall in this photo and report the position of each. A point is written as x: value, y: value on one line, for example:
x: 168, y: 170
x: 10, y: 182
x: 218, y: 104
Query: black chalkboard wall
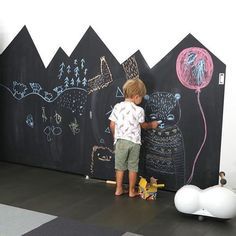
x: 57, y: 117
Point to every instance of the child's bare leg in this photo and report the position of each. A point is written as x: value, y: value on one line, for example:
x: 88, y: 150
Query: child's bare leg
x: 132, y: 183
x: 119, y: 182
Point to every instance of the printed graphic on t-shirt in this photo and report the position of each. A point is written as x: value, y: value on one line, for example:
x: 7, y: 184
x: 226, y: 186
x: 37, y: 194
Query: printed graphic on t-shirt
x: 127, y: 117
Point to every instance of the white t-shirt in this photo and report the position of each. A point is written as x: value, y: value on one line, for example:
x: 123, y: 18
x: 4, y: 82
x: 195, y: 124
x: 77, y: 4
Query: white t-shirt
x: 127, y: 117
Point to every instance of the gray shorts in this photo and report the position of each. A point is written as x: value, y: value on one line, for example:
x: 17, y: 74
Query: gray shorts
x: 126, y: 155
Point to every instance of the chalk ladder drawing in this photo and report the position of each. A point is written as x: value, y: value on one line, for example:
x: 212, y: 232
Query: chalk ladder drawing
x: 130, y: 67
x: 194, y: 67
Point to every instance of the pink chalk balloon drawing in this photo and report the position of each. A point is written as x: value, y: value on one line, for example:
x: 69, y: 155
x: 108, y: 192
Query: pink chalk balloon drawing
x: 194, y: 67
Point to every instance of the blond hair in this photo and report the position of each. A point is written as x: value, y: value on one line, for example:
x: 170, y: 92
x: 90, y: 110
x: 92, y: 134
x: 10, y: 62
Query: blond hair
x: 133, y: 87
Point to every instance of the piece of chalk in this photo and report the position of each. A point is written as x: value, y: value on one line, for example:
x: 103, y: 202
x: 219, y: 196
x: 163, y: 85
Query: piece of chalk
x: 110, y: 182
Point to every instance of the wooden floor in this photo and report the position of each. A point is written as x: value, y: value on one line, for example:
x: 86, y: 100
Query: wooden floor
x: 93, y: 202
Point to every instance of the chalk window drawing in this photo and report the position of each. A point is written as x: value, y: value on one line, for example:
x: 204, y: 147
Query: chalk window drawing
x: 130, y: 67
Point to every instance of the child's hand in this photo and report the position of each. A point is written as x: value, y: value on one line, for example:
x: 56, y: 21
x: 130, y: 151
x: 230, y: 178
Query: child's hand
x: 154, y: 124
x: 151, y: 124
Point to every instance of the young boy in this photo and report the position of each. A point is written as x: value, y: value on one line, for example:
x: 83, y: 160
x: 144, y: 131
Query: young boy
x: 126, y: 121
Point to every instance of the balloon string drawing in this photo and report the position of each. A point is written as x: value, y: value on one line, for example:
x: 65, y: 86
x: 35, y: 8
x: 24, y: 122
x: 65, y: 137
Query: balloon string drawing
x: 194, y: 67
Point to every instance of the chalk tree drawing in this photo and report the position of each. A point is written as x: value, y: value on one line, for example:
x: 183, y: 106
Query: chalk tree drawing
x: 194, y: 67
x: 72, y: 77
x: 70, y: 94
x: 73, y: 93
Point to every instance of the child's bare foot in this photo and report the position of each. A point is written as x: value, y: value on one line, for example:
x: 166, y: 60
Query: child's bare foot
x: 120, y: 192
x: 133, y: 194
